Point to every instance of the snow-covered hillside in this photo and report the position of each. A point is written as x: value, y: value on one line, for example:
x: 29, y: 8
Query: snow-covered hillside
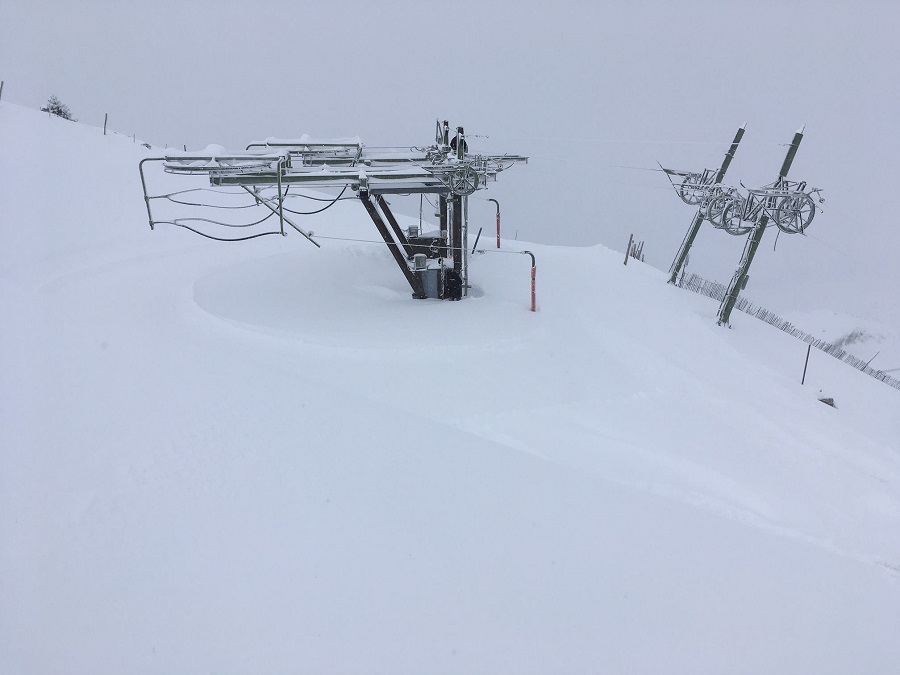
x: 266, y: 457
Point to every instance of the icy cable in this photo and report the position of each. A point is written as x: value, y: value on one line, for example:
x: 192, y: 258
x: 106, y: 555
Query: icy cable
x: 180, y: 223
x: 217, y: 222
x: 316, y: 199
x: 623, y: 141
x: 340, y: 197
x: 170, y: 196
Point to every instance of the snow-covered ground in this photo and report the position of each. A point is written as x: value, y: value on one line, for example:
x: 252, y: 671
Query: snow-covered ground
x: 266, y: 457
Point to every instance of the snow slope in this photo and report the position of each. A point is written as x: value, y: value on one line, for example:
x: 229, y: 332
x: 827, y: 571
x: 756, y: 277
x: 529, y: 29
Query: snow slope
x: 265, y: 457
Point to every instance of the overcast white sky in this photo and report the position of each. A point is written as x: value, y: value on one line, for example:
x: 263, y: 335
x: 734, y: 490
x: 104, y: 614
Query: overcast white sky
x: 581, y: 87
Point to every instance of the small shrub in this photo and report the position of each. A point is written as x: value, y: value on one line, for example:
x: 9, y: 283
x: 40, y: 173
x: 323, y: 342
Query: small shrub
x: 58, y: 108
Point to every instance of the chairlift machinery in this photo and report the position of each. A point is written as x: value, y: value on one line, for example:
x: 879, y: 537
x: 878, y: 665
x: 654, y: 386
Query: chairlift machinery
x: 789, y: 205
x: 270, y: 174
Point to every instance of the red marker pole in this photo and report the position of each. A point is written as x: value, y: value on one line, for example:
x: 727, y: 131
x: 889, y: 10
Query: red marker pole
x: 533, y: 275
x: 498, y: 220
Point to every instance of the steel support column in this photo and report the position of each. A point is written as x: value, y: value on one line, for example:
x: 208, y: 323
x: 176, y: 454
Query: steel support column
x: 464, y: 244
x: 385, y: 209
x: 443, y: 219
x: 740, y: 276
x: 414, y: 281
x: 682, y: 254
x: 456, y: 234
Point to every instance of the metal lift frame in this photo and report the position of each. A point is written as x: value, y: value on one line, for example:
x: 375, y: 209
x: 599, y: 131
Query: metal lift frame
x: 443, y: 169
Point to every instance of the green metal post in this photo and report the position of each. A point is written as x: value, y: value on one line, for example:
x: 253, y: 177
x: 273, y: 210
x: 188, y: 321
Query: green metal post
x: 456, y: 232
x: 682, y: 254
x: 752, y: 245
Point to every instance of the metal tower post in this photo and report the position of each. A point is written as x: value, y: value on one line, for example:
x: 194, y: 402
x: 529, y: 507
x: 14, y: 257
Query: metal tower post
x: 682, y: 254
x: 456, y: 232
x: 443, y: 219
x: 750, y: 248
x: 465, y: 247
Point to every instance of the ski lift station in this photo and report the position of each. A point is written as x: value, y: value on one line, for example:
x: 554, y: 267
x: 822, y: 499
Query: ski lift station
x: 267, y: 175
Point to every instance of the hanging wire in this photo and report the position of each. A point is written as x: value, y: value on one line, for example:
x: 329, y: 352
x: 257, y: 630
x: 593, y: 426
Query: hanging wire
x: 178, y: 223
x: 324, y: 208
x: 214, y: 206
x: 622, y: 141
x: 360, y: 241
x: 635, y: 168
x: 219, y: 222
x: 432, y: 204
x: 200, y: 189
x: 310, y: 197
x: 331, y: 202
x: 564, y: 139
x: 170, y: 196
x: 383, y: 243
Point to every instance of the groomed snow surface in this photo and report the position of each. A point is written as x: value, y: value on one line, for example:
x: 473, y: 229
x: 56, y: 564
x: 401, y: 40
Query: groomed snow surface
x: 266, y: 457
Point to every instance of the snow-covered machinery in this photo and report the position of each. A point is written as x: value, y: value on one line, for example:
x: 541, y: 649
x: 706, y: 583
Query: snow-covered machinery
x: 269, y: 177
x: 788, y: 205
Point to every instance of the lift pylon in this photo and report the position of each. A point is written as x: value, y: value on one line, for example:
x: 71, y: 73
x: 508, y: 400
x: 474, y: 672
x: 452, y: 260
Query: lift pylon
x: 788, y: 205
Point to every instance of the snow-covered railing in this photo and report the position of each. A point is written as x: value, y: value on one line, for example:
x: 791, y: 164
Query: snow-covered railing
x: 713, y: 289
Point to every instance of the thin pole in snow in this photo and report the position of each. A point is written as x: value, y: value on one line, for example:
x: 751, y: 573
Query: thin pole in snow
x: 105, y: 117
x: 498, y: 220
x: 533, y: 275
x: 808, y: 349
x: 628, y: 248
